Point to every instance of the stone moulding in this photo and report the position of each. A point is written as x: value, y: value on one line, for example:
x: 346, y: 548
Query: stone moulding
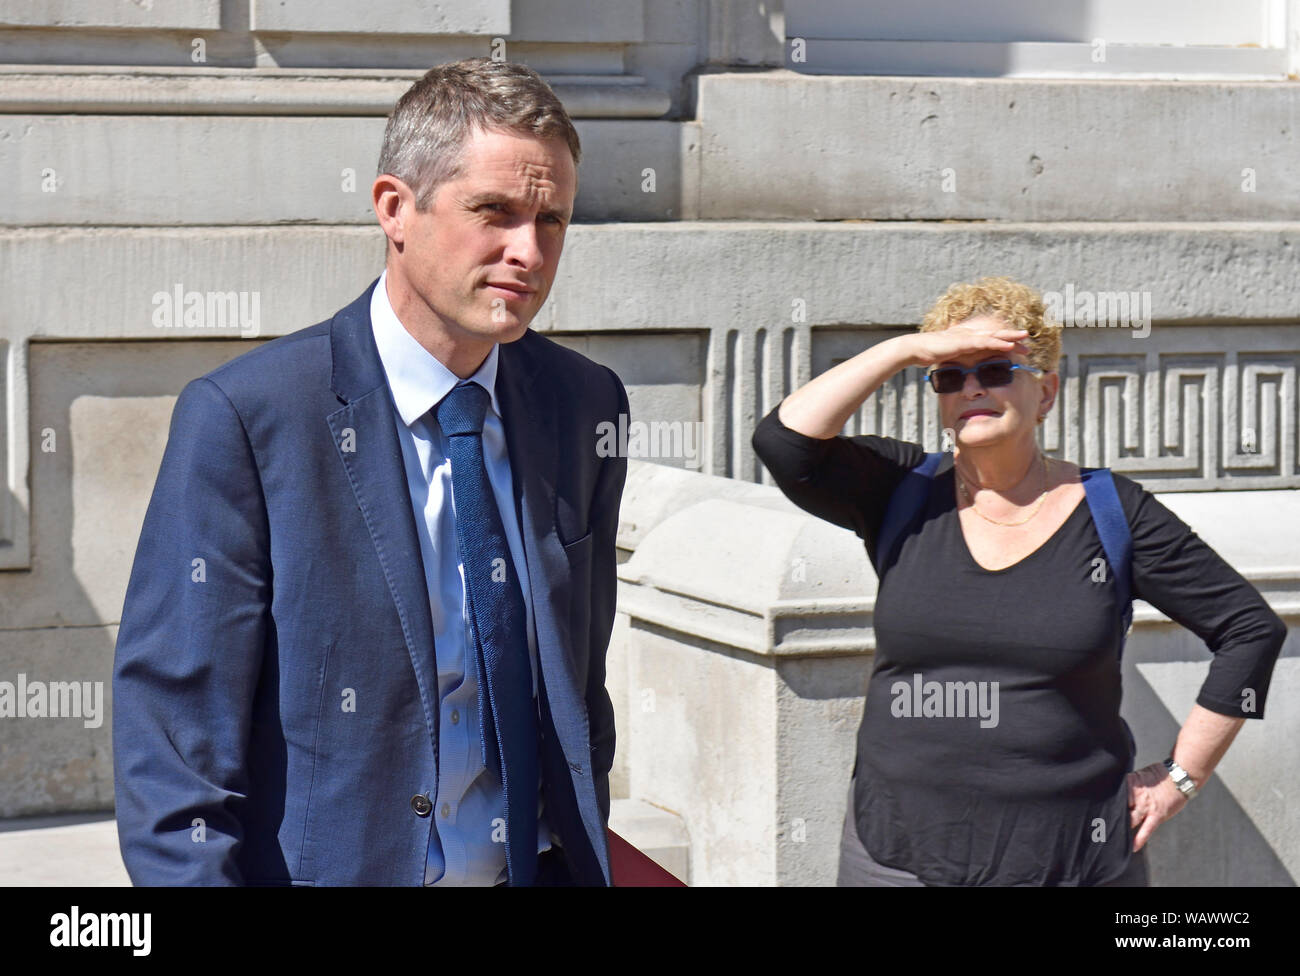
x: 262, y: 91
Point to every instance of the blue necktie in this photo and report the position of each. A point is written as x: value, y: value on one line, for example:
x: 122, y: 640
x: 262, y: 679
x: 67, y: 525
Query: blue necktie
x: 498, y: 627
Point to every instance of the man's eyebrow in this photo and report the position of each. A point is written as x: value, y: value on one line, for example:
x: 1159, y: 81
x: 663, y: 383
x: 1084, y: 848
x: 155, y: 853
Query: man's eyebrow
x: 492, y: 196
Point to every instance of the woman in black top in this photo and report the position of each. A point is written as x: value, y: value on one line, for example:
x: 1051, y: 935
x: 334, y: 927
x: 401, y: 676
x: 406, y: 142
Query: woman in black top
x: 997, y: 596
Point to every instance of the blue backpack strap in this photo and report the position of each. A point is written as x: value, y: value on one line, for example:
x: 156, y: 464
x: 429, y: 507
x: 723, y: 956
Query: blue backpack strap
x: 904, y: 505
x: 1116, y: 539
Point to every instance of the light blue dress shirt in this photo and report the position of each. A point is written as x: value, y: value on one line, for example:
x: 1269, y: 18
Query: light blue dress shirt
x: 469, y: 809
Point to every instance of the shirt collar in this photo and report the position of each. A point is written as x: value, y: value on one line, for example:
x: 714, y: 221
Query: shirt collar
x: 416, y: 378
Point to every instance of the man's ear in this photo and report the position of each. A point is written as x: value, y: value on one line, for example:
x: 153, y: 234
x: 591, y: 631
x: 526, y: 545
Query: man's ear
x: 393, y: 201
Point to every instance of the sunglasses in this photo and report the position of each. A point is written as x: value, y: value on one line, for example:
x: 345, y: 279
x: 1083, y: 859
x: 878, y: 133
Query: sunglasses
x: 999, y: 372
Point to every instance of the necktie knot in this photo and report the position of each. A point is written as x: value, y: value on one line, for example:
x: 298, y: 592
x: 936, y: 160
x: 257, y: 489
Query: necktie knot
x: 462, y: 410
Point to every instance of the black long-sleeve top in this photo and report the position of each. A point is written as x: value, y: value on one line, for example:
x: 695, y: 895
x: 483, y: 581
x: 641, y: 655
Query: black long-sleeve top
x: 1035, y: 792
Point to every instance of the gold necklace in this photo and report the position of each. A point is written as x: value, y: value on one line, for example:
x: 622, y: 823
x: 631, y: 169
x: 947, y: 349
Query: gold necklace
x: 1039, y: 504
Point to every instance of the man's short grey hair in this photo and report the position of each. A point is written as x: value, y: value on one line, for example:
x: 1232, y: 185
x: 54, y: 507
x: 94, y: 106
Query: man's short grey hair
x: 424, y: 143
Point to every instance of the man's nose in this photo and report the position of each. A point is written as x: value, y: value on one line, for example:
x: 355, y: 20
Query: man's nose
x: 523, y: 247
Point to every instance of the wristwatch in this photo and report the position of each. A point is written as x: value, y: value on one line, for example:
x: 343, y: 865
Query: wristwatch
x: 1179, y: 775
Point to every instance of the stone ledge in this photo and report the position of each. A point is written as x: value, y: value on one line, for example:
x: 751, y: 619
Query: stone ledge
x: 752, y: 572
x: 325, y: 92
x: 269, y: 169
x: 650, y: 276
x: 780, y: 144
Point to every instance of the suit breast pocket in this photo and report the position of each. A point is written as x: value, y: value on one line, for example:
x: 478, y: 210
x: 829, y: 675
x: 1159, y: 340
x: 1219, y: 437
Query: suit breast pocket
x: 579, y: 551
x: 579, y: 556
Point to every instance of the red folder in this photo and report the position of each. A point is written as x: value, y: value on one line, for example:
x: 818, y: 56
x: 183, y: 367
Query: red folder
x: 632, y: 869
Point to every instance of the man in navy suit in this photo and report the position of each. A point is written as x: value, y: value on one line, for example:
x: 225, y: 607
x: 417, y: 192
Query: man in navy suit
x: 367, y: 619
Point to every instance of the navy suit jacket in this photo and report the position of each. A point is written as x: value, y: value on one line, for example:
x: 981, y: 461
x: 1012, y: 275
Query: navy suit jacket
x: 278, y: 574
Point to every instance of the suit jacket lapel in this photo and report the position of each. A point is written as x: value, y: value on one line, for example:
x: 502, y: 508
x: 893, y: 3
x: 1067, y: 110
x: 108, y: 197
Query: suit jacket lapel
x: 528, y: 415
x: 528, y: 409
x: 365, y: 437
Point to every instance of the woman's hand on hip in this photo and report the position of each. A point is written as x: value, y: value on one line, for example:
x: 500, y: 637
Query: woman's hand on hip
x: 1152, y: 799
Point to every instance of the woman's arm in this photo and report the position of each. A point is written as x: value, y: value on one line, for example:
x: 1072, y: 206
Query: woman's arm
x: 1179, y: 574
x: 1202, y: 742
x: 821, y: 407
x: 1153, y: 797
x: 847, y: 480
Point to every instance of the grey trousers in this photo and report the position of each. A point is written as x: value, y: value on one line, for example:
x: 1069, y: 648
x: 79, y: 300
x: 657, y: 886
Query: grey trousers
x: 858, y: 869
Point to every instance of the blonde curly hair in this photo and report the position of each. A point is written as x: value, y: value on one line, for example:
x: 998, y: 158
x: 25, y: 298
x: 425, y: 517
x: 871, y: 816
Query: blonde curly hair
x: 1019, y: 306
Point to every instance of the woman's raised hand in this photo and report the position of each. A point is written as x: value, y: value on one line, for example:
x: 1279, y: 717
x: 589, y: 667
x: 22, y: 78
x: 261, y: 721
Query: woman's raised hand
x: 929, y: 348
x: 821, y: 407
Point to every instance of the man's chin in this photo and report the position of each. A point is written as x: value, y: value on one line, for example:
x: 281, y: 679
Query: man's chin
x: 503, y: 333
x: 506, y: 333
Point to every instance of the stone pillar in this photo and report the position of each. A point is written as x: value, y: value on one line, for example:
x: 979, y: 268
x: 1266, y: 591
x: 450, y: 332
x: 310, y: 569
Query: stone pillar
x: 747, y: 651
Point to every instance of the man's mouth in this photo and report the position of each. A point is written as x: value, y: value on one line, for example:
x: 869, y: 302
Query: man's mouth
x: 977, y: 413
x: 511, y: 291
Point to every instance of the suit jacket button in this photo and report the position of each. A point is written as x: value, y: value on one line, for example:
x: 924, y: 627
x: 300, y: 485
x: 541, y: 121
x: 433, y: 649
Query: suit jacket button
x: 421, y: 805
